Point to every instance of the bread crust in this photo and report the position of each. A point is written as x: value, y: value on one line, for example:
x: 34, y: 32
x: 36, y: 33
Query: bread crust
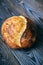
x: 17, y: 32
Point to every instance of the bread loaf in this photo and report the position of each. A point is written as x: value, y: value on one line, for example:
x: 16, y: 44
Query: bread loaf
x: 18, y: 32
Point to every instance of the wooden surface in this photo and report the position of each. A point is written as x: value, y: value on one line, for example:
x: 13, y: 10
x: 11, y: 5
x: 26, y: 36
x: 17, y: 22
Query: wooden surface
x: 34, y: 10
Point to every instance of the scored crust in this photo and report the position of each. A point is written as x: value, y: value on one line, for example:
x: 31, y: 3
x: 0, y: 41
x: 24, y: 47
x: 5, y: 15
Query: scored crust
x: 12, y: 30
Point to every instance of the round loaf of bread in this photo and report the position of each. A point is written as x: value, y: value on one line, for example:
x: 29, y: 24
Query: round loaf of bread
x: 18, y: 32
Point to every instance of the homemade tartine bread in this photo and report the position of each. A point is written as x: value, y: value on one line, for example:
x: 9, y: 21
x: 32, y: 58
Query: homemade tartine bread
x: 18, y: 32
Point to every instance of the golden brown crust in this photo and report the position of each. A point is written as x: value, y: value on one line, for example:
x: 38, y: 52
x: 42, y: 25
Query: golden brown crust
x: 13, y: 30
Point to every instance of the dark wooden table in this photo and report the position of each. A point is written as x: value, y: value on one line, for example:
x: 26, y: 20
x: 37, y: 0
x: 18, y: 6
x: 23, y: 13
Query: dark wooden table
x: 34, y: 10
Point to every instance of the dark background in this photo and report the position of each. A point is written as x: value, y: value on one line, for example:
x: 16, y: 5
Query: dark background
x: 32, y: 9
